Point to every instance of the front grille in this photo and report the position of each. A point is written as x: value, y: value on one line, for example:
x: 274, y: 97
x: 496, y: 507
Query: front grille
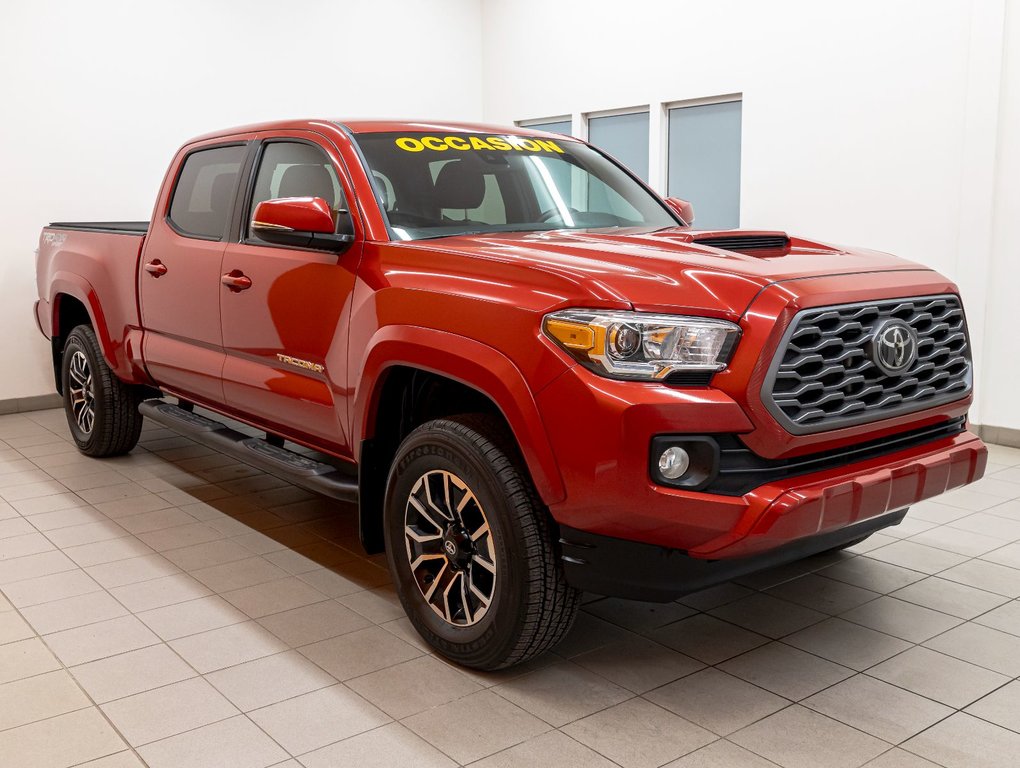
x: 824, y: 377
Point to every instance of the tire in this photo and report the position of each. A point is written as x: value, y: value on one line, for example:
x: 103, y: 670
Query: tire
x: 459, y: 506
x: 102, y: 411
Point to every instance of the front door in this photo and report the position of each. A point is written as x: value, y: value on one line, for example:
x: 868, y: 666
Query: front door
x: 285, y: 323
x: 179, y: 279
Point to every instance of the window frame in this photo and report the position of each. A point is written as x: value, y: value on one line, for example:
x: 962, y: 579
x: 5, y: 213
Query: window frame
x: 225, y: 235
x: 242, y: 207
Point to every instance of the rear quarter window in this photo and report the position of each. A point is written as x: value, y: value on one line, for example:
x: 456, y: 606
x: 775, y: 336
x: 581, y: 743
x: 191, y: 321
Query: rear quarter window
x: 204, y: 193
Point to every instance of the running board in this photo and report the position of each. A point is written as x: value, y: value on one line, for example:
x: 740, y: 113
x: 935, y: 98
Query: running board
x: 293, y: 467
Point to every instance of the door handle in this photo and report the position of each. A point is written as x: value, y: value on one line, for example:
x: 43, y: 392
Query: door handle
x: 156, y: 268
x: 236, y: 281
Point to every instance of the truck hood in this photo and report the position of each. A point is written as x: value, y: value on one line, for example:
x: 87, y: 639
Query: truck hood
x: 669, y: 269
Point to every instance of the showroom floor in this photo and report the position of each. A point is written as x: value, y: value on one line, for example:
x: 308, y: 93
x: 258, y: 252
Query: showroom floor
x: 176, y: 608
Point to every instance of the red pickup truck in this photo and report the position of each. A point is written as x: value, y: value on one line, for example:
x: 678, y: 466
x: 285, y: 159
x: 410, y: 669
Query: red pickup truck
x: 529, y: 371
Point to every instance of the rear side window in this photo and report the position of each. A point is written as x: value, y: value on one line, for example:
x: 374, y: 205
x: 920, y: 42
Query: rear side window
x: 205, y: 191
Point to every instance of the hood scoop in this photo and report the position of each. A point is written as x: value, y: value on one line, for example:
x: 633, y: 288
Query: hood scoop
x: 756, y: 243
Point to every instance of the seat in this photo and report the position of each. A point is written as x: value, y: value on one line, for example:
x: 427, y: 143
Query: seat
x: 459, y: 186
x: 307, y: 181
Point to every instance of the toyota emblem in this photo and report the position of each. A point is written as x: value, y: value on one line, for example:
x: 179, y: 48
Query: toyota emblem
x: 894, y: 347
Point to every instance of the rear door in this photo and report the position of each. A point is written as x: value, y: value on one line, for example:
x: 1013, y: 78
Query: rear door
x: 285, y: 336
x: 179, y: 280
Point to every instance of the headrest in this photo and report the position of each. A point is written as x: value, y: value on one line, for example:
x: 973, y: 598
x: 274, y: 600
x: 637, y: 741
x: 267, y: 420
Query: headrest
x: 307, y: 181
x: 221, y: 191
x: 460, y: 186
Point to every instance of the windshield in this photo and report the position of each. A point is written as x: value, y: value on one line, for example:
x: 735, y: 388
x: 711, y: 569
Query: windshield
x: 442, y: 185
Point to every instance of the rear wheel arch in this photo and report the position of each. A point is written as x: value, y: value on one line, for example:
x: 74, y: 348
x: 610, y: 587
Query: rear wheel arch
x: 68, y: 313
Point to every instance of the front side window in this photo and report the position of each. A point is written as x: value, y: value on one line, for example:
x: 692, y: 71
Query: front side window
x: 439, y: 186
x: 295, y: 169
x: 204, y: 192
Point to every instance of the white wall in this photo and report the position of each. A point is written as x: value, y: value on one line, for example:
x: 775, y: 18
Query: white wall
x: 96, y: 97
x: 873, y: 123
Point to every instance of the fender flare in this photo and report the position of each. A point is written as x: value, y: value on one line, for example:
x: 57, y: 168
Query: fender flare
x: 77, y: 287
x: 472, y: 364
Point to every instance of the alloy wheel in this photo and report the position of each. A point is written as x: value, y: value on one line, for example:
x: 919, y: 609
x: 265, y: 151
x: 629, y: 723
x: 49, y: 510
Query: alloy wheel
x: 83, y: 394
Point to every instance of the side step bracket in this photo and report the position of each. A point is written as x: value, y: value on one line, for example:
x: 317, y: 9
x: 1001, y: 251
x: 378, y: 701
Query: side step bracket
x: 295, y: 468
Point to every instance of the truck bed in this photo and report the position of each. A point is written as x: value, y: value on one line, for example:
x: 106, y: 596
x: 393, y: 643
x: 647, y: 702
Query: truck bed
x: 106, y: 227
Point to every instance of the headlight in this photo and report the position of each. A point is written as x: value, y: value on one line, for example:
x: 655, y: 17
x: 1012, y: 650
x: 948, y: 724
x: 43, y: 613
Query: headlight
x: 635, y: 345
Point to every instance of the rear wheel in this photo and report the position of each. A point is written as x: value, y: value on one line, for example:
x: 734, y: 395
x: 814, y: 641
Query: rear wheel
x: 471, y: 547
x: 102, y: 411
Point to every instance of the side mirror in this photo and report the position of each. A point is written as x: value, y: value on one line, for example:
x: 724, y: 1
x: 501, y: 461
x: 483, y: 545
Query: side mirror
x: 303, y: 222
x: 682, y: 208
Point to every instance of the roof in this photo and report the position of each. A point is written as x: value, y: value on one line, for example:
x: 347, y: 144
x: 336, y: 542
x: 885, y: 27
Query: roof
x: 381, y: 126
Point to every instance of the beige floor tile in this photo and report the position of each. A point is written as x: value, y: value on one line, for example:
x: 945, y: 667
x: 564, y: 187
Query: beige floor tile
x: 989, y: 524
x: 180, y: 536
x: 796, y: 737
x: 717, y: 701
x: 134, y: 505
x: 990, y: 577
x: 207, y: 554
x: 61, y: 741
x: 638, y: 616
x: 90, y: 480
x: 130, y: 673
x: 189, y: 618
x: 1005, y: 618
x: 962, y: 741
x: 73, y: 612
x: 786, y: 671
x: 1001, y: 707
x: 274, y: 597
x: 538, y: 752
x: 875, y: 707
x: 391, y: 746
x: 24, y: 545
x: 969, y: 499
x: 312, y: 623
x: 310, y: 557
x: 25, y: 658
x: 1008, y: 555
x: 64, y: 518
x: 107, y: 551
x: 900, y: 758
x: 40, y: 697
x: 31, y: 490
x: 160, y: 592
x: 917, y: 557
x: 414, y: 686
x: 348, y: 579
x: 639, y: 734
x: 707, y: 638
x: 238, y: 574
x: 227, y: 646
x: 96, y: 641
x: 476, y: 726
x: 901, y: 619
x: 132, y: 570
x: 638, y: 665
x: 360, y: 652
x: 53, y: 503
x: 55, y: 586
x: 164, y: 712
x: 871, y: 574
x: 949, y: 597
x: 939, y: 677
x: 721, y: 754
x: 157, y: 520
x: 823, y: 594
x: 16, y: 526
x: 986, y: 647
x: 315, y: 719
x: 851, y: 645
x: 958, y: 541
x: 119, y: 760
x: 112, y: 492
x: 377, y: 605
x: 233, y: 743
x: 562, y: 693
x: 269, y: 680
x: 87, y: 533
x: 767, y: 615
x: 14, y: 628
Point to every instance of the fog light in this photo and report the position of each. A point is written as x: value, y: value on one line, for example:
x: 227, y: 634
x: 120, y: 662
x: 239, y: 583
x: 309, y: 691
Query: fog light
x: 674, y: 462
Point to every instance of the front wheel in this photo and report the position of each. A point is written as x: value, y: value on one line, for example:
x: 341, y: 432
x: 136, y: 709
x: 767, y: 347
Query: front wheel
x: 102, y: 411
x: 471, y: 548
